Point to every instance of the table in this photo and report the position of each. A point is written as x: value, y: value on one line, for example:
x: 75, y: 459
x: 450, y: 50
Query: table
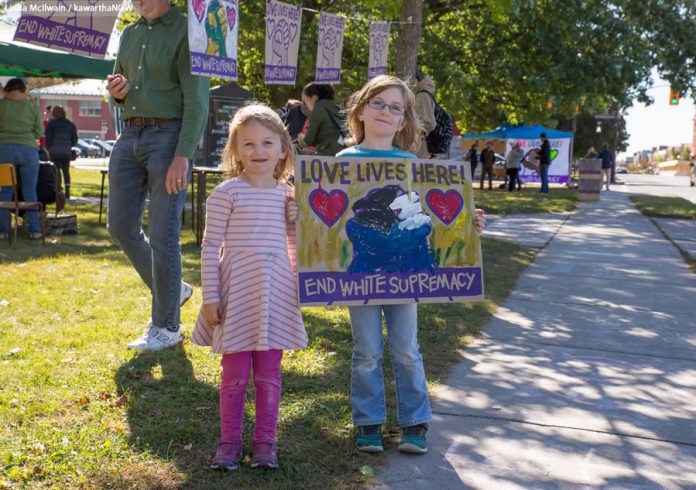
x: 199, y: 179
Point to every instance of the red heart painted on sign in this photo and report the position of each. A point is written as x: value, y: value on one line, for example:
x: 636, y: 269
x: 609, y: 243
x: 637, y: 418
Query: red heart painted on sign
x: 329, y: 206
x: 445, y: 205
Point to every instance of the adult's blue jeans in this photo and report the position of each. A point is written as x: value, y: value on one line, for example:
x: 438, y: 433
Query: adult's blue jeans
x: 138, y: 168
x: 26, y: 160
x: 544, y: 170
x: 367, y: 383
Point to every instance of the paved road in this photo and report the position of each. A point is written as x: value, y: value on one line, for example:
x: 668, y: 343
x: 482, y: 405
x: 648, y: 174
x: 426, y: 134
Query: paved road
x: 584, y: 378
x: 657, y: 185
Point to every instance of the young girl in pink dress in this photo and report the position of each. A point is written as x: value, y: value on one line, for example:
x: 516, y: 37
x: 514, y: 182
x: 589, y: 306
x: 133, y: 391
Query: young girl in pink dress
x: 250, y: 311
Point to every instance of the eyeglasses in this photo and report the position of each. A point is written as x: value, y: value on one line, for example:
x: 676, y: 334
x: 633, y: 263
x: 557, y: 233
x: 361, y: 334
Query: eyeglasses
x: 379, y: 105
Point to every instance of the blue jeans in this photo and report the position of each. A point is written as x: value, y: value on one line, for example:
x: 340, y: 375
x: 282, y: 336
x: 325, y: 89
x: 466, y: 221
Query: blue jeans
x: 367, y: 384
x: 544, y: 170
x: 137, y: 168
x: 26, y: 161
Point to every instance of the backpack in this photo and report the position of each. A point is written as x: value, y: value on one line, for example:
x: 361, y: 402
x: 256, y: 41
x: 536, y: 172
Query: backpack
x: 440, y: 138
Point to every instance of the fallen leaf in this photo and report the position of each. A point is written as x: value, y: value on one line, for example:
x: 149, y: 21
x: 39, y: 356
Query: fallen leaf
x: 70, y: 360
x: 121, y: 401
x: 188, y: 446
x: 203, y: 408
x: 367, y: 471
x: 4, y: 302
x: 82, y: 400
x: 105, y: 396
x: 14, y: 351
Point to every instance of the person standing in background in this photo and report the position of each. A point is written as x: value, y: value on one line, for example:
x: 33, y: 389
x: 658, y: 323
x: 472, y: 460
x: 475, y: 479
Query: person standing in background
x: 487, y: 162
x: 607, y: 157
x: 544, y: 162
x: 20, y: 128
x: 61, y: 136
x: 425, y: 110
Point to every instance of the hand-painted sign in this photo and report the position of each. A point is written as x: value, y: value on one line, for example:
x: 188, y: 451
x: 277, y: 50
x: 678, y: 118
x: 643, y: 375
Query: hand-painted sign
x: 330, y: 48
x: 213, y: 28
x: 379, y: 49
x: 386, y: 231
x: 77, y: 26
x: 283, y: 23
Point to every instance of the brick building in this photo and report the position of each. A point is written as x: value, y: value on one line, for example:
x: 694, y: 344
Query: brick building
x: 85, y: 103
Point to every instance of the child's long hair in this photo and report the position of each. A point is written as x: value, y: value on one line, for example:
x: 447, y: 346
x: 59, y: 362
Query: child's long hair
x: 408, y: 137
x: 261, y: 113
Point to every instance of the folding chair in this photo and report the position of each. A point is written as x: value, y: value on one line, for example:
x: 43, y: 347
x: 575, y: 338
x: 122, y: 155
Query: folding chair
x: 8, y: 177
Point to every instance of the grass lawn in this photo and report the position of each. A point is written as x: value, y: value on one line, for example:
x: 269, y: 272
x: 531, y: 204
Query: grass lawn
x: 528, y: 200
x: 665, y: 207
x: 77, y: 410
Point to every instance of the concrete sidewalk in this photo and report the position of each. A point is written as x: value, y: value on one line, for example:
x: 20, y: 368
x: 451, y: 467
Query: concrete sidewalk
x: 585, y: 377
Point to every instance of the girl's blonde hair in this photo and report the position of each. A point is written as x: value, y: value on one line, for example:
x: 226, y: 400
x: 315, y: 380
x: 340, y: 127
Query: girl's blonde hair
x: 261, y: 113
x: 409, y: 136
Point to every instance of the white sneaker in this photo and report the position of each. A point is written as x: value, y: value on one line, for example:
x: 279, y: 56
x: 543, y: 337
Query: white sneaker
x: 186, y: 293
x: 154, y: 339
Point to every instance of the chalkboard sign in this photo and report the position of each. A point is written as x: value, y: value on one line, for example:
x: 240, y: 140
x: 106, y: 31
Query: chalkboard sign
x: 224, y: 102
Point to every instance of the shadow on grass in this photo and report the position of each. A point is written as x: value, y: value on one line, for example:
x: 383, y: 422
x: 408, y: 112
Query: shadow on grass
x: 174, y: 416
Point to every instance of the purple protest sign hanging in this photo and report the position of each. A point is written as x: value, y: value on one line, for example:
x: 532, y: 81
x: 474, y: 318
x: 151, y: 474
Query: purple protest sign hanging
x: 213, y: 30
x: 283, y: 23
x: 76, y: 26
x: 330, y: 48
x: 379, y: 49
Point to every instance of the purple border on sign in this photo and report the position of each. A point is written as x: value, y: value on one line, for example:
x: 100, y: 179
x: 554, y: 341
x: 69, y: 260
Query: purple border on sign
x: 335, y: 287
x: 328, y: 75
x: 375, y: 72
x: 553, y: 179
x: 204, y: 64
x: 47, y: 32
x: 280, y: 74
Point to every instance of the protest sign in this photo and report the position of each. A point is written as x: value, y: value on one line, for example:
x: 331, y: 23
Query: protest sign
x: 283, y: 23
x: 213, y: 29
x: 330, y: 48
x: 386, y: 231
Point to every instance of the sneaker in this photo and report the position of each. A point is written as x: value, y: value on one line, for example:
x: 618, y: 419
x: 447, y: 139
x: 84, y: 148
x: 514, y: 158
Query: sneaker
x: 35, y: 235
x: 369, y: 438
x: 228, y: 456
x: 265, y: 455
x: 186, y: 293
x: 413, y: 439
x: 154, y: 339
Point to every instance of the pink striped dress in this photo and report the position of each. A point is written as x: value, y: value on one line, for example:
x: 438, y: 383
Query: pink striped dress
x: 246, y: 266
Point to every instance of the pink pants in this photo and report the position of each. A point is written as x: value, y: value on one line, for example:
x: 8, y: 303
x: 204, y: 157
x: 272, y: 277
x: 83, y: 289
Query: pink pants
x: 235, y: 378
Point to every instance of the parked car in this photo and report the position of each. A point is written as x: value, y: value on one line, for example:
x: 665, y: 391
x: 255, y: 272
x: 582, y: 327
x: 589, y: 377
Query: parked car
x: 88, y: 150
x: 77, y: 151
x: 621, y: 170
x: 693, y: 174
x: 105, y: 147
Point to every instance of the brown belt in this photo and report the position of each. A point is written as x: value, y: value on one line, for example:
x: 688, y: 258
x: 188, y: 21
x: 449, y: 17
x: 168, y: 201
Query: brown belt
x: 141, y: 122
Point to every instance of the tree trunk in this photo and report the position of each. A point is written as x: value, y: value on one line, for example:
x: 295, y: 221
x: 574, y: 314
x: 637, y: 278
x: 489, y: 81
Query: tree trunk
x: 409, y: 39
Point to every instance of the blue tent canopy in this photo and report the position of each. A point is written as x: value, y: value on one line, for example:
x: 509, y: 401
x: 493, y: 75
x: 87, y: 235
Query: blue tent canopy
x: 519, y: 132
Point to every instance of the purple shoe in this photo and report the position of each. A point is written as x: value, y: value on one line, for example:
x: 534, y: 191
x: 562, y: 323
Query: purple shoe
x: 228, y: 456
x: 265, y: 455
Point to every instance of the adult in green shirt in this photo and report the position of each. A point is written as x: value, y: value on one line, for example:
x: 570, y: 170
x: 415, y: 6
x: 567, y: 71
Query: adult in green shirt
x: 165, y: 109
x: 325, y: 130
x: 20, y: 128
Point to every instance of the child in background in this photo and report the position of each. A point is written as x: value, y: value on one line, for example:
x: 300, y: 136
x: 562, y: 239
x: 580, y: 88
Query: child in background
x: 250, y: 311
x: 383, y: 124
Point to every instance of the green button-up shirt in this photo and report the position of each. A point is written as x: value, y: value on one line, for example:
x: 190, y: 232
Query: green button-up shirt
x: 154, y: 58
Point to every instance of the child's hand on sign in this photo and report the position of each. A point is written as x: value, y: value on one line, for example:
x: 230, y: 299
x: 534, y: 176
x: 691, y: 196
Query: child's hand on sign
x: 479, y: 220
